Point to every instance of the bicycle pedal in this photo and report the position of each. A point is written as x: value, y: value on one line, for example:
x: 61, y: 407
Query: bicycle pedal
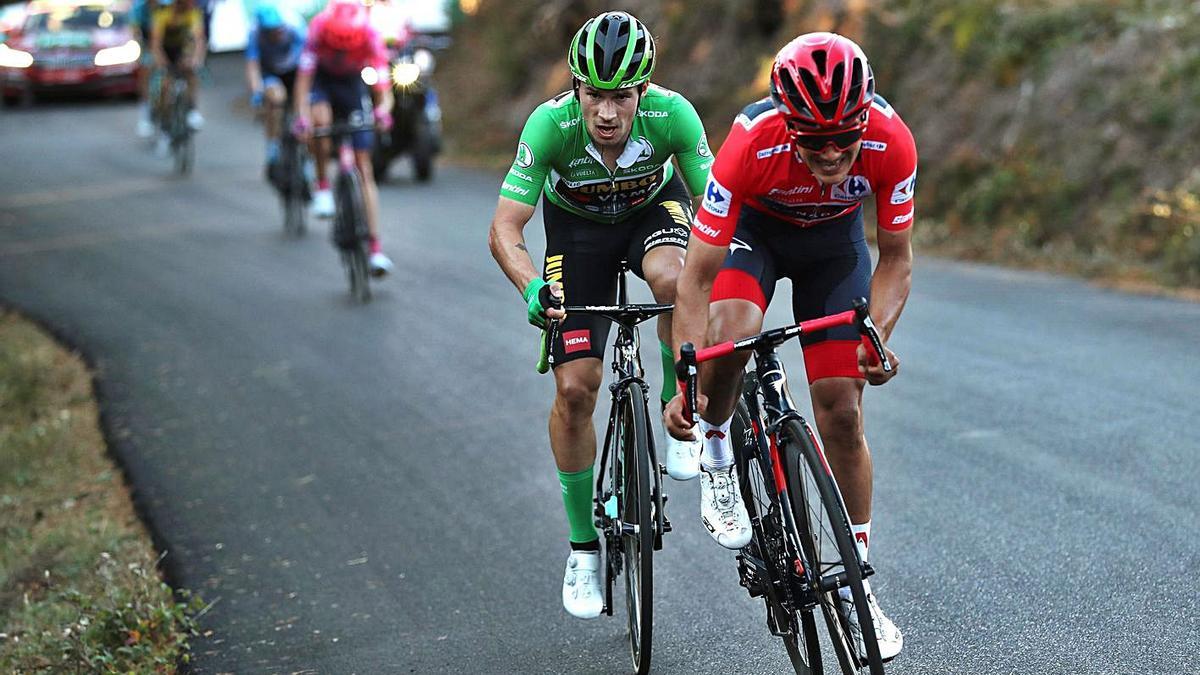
x: 666, y: 524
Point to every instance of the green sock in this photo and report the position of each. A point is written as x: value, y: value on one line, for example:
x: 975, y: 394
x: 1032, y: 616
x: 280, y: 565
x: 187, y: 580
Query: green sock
x: 577, y: 490
x: 668, y: 361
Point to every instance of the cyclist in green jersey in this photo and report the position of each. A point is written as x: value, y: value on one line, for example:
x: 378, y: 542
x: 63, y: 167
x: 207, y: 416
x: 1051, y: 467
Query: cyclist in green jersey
x: 600, y: 156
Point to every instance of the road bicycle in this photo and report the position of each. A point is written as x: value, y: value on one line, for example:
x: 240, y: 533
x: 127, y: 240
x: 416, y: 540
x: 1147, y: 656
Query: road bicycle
x: 175, y: 123
x: 351, y: 235
x: 629, y: 496
x: 288, y: 176
x: 802, y: 552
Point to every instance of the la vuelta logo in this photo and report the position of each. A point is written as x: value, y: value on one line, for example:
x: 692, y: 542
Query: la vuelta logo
x: 577, y: 340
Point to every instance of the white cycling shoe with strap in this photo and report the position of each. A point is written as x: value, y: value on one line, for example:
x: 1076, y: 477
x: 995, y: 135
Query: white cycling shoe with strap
x: 581, y: 594
x: 890, y: 639
x: 682, y: 458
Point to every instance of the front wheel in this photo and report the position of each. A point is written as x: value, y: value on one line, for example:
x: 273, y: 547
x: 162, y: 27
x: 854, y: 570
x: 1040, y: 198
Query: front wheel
x: 350, y: 233
x: 767, y: 564
x: 829, y: 547
x: 637, y: 524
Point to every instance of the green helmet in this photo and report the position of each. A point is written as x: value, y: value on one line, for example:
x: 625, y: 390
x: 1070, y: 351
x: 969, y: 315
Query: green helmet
x: 612, y: 51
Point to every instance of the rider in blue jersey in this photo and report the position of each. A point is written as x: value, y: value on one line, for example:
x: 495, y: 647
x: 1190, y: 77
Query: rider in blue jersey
x: 272, y: 56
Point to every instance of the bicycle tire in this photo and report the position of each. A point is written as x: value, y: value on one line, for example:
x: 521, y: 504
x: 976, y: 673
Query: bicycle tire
x: 349, y: 224
x: 829, y: 544
x: 637, y: 543
x: 768, y: 544
x: 293, y: 197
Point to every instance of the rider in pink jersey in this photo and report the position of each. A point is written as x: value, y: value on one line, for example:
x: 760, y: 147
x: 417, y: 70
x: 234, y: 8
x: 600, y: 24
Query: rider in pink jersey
x: 342, y: 49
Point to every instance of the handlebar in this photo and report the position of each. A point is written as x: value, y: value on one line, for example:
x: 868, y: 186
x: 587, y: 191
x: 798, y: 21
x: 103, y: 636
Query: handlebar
x: 859, y: 317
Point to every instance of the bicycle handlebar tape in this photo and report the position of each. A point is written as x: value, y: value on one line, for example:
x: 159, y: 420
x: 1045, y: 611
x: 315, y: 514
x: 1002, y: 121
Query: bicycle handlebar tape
x: 685, y: 370
x: 543, y: 363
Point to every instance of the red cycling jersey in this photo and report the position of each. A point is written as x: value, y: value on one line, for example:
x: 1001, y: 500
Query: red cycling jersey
x: 343, y: 63
x: 757, y: 166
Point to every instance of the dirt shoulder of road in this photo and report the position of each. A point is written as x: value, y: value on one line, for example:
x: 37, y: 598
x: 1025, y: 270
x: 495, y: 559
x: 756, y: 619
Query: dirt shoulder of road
x: 80, y: 589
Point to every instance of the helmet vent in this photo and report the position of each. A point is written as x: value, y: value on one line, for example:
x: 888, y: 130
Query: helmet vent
x: 820, y: 58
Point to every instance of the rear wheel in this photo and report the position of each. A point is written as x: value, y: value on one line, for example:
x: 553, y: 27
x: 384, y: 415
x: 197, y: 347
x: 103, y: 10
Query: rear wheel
x: 768, y: 557
x: 637, y: 525
x: 423, y: 152
x: 829, y: 546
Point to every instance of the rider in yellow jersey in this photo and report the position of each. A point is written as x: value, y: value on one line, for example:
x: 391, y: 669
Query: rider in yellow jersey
x: 178, y: 43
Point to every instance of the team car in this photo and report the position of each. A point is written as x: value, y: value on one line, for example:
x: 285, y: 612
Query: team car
x: 71, y: 45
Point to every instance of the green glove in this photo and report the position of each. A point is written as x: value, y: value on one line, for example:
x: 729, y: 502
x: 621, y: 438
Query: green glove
x: 537, y: 298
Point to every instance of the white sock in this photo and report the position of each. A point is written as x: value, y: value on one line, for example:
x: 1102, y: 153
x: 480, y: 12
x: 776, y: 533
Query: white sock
x: 718, y: 451
x: 862, y: 541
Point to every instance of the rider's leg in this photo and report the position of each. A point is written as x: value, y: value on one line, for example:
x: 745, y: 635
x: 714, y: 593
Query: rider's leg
x: 369, y: 192
x: 322, y: 116
x: 837, y: 407
x: 275, y: 98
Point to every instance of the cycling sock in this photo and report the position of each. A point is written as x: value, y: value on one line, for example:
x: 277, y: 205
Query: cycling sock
x: 862, y: 541
x: 323, y: 184
x: 375, y: 247
x: 668, y: 364
x: 718, y: 451
x: 862, y: 538
x: 577, y: 498
x: 593, y: 545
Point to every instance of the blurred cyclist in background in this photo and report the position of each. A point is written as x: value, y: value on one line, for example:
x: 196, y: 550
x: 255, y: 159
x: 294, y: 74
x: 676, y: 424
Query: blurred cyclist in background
x: 178, y: 43
x: 342, y: 48
x: 142, y: 12
x: 272, y: 56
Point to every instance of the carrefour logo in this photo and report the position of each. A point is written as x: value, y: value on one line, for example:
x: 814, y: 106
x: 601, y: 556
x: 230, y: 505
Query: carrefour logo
x: 717, y: 198
x: 853, y: 189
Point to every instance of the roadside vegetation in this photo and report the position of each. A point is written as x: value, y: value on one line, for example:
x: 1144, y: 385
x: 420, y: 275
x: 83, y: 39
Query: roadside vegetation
x: 1055, y: 134
x: 79, y: 587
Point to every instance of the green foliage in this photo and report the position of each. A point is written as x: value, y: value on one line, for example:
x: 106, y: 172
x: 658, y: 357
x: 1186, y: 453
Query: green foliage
x: 134, y: 627
x: 78, y: 588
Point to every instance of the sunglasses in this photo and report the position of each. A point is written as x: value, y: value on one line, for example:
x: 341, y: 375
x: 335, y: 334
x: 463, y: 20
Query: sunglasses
x: 841, y: 140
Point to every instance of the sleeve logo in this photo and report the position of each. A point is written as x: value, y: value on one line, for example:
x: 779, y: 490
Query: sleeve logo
x: 524, y: 155
x: 905, y: 189
x: 717, y: 198
x: 702, y: 148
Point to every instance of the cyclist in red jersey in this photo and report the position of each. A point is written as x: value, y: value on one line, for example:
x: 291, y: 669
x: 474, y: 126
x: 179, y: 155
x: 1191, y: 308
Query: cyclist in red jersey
x: 785, y: 199
x: 341, y: 46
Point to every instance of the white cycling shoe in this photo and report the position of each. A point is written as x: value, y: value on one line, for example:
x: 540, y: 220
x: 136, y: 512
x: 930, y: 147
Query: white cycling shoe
x: 195, y: 120
x: 145, y: 128
x: 721, y: 508
x: 322, y: 203
x: 581, y: 595
x: 890, y: 639
x: 682, y: 458
x: 380, y: 264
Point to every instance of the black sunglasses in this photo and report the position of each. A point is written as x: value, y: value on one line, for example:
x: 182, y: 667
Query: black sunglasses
x: 841, y: 140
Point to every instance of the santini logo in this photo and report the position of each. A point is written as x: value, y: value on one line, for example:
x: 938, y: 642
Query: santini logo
x: 763, y: 154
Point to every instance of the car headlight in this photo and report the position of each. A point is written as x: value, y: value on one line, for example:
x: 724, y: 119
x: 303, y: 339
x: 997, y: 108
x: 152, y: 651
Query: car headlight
x: 370, y: 76
x: 405, y: 74
x: 116, y: 56
x: 14, y: 58
x: 424, y: 60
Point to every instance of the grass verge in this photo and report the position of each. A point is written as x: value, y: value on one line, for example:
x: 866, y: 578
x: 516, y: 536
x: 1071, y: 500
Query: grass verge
x: 79, y: 586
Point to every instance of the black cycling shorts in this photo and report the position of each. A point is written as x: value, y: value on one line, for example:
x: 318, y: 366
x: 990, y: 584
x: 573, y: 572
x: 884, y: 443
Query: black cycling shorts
x: 829, y: 265
x: 584, y: 257
x: 347, y: 95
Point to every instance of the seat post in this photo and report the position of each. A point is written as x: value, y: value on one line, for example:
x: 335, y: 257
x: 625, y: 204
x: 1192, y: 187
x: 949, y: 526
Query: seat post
x: 622, y: 297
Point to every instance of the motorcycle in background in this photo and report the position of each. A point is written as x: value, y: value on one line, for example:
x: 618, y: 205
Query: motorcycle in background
x: 416, y: 116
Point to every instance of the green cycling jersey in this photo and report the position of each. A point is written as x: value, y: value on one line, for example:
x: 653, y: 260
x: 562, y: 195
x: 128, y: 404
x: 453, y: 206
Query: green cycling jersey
x: 556, y: 155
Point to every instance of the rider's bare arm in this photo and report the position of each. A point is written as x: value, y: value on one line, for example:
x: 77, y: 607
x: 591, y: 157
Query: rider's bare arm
x: 506, y: 239
x: 692, y: 291
x: 892, y: 279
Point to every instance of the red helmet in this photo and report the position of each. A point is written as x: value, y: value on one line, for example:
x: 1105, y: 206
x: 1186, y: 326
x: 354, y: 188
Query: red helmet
x: 346, y: 25
x: 821, y: 82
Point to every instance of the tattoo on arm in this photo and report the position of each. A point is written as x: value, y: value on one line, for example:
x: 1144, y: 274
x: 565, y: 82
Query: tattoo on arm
x: 521, y: 245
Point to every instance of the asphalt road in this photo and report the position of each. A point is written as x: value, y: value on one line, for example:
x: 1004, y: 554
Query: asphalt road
x: 368, y: 489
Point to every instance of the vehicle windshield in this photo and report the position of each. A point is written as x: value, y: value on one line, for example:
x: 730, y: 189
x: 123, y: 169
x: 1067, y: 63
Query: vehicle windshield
x: 78, y: 18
